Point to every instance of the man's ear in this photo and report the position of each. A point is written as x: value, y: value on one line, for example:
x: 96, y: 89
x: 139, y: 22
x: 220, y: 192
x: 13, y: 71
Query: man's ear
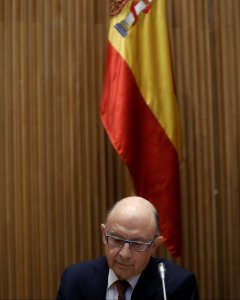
x: 103, y: 230
x: 158, y: 241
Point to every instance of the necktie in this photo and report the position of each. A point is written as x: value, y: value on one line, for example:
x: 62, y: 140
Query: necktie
x: 122, y: 286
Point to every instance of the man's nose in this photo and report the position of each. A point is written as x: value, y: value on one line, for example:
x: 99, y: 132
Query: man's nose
x: 125, y: 251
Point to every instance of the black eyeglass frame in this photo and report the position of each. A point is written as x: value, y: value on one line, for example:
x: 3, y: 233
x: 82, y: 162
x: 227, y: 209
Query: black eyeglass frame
x: 130, y: 242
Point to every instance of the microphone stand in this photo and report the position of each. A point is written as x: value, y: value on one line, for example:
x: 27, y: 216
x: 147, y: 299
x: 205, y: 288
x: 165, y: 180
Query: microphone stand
x: 162, y: 271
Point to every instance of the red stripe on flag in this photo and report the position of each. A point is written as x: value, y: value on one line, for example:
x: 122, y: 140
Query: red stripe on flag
x: 141, y: 142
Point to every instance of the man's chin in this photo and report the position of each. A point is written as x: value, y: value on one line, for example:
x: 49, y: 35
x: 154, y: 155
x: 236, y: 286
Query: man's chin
x: 123, y: 271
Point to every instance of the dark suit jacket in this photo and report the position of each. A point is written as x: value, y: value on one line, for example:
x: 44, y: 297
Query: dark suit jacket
x: 88, y: 281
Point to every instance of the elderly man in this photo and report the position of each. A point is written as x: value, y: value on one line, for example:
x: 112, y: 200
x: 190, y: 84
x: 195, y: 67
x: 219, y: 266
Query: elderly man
x: 129, y: 270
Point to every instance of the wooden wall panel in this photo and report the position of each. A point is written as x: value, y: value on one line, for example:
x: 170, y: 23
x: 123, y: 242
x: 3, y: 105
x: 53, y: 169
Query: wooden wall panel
x: 58, y: 171
x: 55, y: 177
x: 205, y: 43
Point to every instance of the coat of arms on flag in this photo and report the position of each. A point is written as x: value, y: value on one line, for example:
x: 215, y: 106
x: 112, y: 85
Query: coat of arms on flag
x: 142, y: 6
x: 116, y: 6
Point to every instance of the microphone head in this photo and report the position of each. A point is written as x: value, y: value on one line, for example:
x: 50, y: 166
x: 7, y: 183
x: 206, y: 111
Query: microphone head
x: 162, y: 269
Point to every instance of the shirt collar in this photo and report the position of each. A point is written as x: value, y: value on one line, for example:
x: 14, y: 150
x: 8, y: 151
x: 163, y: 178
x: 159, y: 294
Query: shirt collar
x: 112, y: 278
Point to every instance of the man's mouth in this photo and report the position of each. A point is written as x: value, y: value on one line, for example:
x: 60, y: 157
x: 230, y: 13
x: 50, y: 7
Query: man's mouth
x: 124, y: 265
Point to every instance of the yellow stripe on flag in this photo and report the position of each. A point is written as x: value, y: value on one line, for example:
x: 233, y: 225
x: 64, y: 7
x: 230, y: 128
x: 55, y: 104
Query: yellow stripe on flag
x: 147, y: 41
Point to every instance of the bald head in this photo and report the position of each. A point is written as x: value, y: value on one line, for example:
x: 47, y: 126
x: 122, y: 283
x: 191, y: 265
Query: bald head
x: 135, y: 210
x: 132, y: 221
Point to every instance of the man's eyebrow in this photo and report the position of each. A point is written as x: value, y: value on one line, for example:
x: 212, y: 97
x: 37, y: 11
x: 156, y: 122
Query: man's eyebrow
x: 140, y: 239
x: 137, y: 239
x: 115, y: 234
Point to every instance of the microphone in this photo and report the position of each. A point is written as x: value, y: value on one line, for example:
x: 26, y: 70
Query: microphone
x: 162, y: 271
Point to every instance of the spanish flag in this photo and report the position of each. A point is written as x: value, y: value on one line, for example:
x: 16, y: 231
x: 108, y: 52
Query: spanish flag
x: 139, y: 109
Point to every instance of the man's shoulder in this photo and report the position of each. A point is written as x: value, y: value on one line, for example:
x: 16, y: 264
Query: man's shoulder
x: 87, y: 265
x: 179, y: 282
x: 171, y: 266
x: 78, y: 279
x: 175, y: 274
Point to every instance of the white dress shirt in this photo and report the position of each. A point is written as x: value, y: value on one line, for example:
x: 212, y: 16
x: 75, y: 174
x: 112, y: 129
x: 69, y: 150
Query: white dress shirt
x: 112, y: 292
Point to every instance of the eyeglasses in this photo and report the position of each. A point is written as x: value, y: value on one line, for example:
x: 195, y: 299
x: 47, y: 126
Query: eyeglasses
x: 134, y: 245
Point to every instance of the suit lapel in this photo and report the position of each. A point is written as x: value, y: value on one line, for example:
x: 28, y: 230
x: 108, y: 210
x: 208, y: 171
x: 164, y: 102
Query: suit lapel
x: 149, y: 284
x: 100, y: 278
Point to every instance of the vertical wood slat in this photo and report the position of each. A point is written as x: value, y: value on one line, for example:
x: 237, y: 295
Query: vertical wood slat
x: 205, y: 43
x: 59, y: 173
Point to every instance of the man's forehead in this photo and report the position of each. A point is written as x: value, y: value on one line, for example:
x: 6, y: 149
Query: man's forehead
x: 133, y: 204
x: 131, y: 214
